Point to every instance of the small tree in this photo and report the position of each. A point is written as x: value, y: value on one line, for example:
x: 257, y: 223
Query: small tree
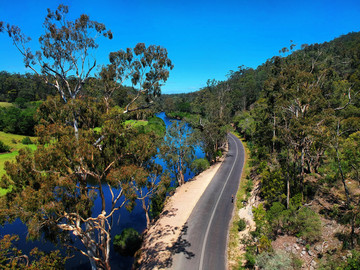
x: 199, y: 165
x: 3, y: 147
x: 128, y: 242
x: 178, y: 149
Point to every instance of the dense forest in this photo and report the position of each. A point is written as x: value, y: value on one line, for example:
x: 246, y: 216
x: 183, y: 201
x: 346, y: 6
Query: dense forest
x: 299, y: 113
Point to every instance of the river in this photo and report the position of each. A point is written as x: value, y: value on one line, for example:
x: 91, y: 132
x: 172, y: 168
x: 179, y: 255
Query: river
x: 135, y: 219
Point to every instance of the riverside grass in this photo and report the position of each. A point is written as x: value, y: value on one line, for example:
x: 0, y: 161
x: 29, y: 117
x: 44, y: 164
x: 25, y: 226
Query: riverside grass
x: 14, y: 141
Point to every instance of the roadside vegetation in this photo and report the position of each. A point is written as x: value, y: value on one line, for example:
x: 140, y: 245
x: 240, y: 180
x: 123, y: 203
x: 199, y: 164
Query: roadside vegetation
x: 299, y: 115
x: 238, y: 223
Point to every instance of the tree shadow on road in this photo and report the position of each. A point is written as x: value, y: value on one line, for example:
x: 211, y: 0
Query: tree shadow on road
x: 158, y: 253
x: 182, y: 245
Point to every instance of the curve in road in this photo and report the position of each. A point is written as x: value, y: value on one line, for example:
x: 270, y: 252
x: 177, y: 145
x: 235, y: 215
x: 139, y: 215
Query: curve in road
x: 202, y: 244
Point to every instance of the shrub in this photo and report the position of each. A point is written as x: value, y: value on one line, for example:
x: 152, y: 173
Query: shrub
x: 156, y: 125
x: 307, y: 223
x: 274, y: 260
x: 241, y: 224
x: 199, y: 165
x: 218, y: 153
x: 4, y: 148
x: 128, y: 242
x: 250, y: 260
x: 249, y: 185
x: 26, y: 140
x: 353, y: 262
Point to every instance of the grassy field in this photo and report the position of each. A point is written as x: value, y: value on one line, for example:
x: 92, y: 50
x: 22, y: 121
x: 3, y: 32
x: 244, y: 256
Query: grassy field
x: 14, y: 141
x: 5, y: 104
x: 136, y: 123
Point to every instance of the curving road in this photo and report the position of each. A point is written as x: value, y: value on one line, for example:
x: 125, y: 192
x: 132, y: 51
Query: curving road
x: 202, y: 244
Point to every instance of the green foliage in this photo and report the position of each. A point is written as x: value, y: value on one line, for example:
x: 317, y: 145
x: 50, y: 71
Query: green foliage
x: 26, y: 141
x: 5, y: 104
x: 275, y: 260
x: 307, y: 223
x: 176, y: 115
x: 12, y: 258
x: 250, y: 260
x: 334, y: 263
x: 241, y: 224
x: 4, y: 148
x: 302, y: 222
x: 249, y: 185
x: 53, y: 189
x: 23, y: 88
x: 273, y: 185
x: 264, y: 244
x: 18, y: 120
x: 245, y: 124
x: 276, y: 216
x: 353, y: 262
x: 199, y: 165
x: 157, y: 205
x: 128, y: 242
x: 177, y: 149
x: 156, y: 125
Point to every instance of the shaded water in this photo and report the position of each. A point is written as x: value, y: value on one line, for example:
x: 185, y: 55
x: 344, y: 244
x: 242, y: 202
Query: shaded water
x: 122, y: 219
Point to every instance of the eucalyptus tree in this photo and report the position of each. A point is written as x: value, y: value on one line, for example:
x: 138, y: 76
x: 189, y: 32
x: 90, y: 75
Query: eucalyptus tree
x: 55, y: 187
x: 146, y: 178
x: 177, y: 150
x: 147, y: 68
x: 64, y: 60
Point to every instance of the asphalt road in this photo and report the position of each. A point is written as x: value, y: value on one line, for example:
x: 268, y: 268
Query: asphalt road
x: 203, y: 241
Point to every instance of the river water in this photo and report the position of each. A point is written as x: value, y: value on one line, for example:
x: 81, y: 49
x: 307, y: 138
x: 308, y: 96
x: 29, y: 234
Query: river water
x: 123, y: 219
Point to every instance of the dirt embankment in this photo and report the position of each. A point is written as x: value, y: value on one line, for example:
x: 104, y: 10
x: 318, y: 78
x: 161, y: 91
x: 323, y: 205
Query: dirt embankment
x: 160, y: 240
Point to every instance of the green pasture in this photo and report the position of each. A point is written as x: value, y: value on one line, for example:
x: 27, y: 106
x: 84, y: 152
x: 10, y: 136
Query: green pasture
x: 14, y: 141
x: 136, y: 123
x: 5, y: 104
x: 154, y: 124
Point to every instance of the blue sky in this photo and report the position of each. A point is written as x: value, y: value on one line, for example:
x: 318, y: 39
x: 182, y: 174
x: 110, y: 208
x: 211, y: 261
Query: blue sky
x: 204, y: 39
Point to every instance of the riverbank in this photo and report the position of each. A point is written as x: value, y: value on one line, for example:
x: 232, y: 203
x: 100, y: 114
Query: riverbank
x: 160, y: 240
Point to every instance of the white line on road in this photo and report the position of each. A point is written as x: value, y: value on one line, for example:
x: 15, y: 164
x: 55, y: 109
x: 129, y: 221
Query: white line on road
x: 213, y: 213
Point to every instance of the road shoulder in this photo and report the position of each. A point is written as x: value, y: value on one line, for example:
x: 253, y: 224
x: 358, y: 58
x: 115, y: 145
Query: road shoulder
x: 160, y: 238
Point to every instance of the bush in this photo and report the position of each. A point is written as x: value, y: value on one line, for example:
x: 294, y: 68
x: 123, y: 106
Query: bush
x: 4, y: 148
x: 26, y: 140
x: 274, y: 260
x: 250, y: 260
x: 307, y: 223
x: 241, y: 224
x: 199, y: 165
x: 249, y: 185
x: 128, y: 242
x: 156, y: 125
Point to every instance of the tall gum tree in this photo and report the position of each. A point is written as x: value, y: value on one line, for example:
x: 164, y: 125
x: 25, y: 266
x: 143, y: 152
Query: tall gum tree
x: 65, y: 52
x: 177, y: 150
x: 54, y: 188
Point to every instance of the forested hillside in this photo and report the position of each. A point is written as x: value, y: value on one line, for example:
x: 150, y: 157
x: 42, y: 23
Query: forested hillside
x: 300, y: 115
